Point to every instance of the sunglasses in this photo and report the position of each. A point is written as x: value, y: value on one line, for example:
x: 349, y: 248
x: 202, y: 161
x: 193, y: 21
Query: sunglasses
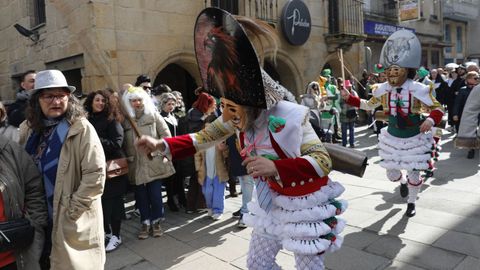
x: 147, y: 88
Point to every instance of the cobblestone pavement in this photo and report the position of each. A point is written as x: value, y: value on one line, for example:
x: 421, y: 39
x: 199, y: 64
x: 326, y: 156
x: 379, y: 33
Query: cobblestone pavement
x: 445, y: 233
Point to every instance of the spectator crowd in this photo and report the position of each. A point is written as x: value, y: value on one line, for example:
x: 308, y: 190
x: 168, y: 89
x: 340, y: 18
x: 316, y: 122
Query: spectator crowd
x: 67, y: 164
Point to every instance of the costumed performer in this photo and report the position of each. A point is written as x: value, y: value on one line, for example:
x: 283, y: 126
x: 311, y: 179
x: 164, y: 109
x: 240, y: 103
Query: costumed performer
x: 406, y: 144
x: 296, y: 205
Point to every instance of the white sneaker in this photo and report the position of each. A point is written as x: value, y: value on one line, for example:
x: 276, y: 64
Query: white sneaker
x: 241, y: 224
x: 209, y: 212
x: 217, y: 216
x: 107, y: 238
x: 113, y: 243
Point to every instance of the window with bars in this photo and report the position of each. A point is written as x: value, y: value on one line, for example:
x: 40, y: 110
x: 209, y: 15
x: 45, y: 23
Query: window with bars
x: 228, y: 5
x: 459, y: 41
x: 39, y: 12
x: 448, y: 38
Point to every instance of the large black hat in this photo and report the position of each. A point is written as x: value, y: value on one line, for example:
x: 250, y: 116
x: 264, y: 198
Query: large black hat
x: 227, y: 61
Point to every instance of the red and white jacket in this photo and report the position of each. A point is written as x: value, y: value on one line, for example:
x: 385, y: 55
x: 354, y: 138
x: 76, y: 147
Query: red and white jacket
x: 303, y: 165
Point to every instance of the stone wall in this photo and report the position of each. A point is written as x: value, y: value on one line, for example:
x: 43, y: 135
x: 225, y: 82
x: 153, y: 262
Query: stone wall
x: 124, y: 38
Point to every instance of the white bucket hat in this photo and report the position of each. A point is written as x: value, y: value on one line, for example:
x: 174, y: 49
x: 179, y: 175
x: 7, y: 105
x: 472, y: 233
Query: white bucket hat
x: 51, y: 78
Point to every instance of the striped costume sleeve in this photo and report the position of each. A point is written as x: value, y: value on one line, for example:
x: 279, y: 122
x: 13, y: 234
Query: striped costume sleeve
x: 314, y: 161
x: 314, y: 152
x: 186, y: 145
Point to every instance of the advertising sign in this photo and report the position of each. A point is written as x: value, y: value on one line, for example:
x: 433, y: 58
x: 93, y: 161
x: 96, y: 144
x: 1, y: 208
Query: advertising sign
x: 382, y: 29
x: 296, y: 22
x: 409, y: 10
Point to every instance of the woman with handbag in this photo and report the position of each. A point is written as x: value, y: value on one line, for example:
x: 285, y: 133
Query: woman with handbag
x: 104, y: 115
x: 23, y: 210
x: 149, y: 171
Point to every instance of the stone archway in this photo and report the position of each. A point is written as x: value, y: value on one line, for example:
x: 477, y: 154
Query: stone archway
x: 352, y: 64
x: 285, y: 71
x: 180, y: 73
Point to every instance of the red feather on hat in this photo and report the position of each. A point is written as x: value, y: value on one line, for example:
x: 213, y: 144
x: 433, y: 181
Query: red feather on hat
x: 221, y: 69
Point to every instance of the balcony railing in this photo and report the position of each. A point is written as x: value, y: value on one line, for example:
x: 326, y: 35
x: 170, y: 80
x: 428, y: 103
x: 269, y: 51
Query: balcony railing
x: 266, y: 10
x: 461, y: 10
x: 386, y: 9
x: 345, y: 23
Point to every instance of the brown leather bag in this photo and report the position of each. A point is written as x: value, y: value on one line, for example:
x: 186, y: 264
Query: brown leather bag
x: 117, y: 167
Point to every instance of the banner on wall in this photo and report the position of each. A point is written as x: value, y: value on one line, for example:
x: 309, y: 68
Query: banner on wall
x: 409, y: 10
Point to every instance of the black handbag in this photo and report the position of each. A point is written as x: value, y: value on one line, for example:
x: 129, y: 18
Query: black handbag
x: 16, y: 234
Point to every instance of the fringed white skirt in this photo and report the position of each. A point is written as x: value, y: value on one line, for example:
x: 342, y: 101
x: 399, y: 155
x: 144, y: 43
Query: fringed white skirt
x: 305, y: 224
x: 405, y: 153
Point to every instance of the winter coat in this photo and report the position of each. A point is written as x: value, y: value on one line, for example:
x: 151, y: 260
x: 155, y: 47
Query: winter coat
x: 452, y: 92
x: 193, y: 122
x: 460, y: 101
x: 9, y: 131
x: 145, y: 170
x: 172, y: 122
x: 111, y: 134
x: 24, y: 132
x: 196, y: 120
x: 16, y: 111
x: 344, y: 117
x: 20, y: 180
x: 441, y: 89
x: 77, y: 233
x: 469, y: 133
x: 220, y: 167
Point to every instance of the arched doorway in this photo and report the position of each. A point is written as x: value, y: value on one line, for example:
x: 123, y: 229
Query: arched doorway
x: 283, y: 72
x: 178, y: 79
x: 270, y: 69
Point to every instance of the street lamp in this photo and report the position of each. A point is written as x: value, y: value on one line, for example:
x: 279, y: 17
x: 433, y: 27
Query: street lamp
x: 31, y: 34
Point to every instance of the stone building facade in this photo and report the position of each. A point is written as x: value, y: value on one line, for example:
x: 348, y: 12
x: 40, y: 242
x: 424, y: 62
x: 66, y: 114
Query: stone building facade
x: 461, y: 29
x: 382, y: 19
x: 106, y: 43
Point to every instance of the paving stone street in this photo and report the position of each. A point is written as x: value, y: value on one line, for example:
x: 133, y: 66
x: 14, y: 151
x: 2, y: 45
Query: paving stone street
x: 445, y: 233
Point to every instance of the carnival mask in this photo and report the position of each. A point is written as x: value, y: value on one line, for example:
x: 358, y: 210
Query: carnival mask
x: 396, y: 75
x: 382, y: 77
x: 235, y: 113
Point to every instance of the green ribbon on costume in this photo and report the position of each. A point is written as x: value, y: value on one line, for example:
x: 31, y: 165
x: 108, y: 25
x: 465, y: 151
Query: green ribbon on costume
x: 276, y: 124
x: 270, y: 157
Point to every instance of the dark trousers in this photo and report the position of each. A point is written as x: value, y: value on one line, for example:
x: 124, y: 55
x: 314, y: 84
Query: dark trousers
x: 149, y: 200
x: 113, y: 213
x: 175, y: 188
x: 195, y: 199
x: 350, y: 126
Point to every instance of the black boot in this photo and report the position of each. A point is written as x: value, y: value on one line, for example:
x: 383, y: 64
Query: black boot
x: 410, y: 210
x: 403, y: 190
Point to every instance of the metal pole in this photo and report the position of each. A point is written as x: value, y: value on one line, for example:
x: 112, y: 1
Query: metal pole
x: 341, y: 62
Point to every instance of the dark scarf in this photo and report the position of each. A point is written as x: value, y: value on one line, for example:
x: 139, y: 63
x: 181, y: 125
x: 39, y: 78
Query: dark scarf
x: 45, y: 149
